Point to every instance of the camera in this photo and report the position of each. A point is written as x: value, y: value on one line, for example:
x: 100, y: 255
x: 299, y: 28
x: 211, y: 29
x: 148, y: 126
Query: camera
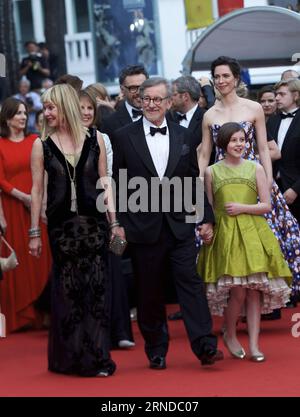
x: 34, y: 59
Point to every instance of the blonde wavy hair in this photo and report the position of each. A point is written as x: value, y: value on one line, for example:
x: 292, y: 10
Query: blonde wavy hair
x: 65, y: 98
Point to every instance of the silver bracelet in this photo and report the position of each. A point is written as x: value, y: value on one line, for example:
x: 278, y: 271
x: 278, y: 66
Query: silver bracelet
x: 114, y: 224
x: 34, y: 232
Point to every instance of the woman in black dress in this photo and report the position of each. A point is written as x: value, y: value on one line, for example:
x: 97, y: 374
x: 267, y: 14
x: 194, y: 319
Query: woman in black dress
x: 74, y: 160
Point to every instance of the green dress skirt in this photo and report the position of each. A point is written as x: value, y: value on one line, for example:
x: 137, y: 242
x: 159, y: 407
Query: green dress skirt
x: 244, y: 251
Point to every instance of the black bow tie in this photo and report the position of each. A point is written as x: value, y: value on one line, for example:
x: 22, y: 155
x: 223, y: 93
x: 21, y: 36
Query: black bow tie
x: 180, y: 117
x: 286, y: 115
x: 162, y: 130
x: 136, y: 113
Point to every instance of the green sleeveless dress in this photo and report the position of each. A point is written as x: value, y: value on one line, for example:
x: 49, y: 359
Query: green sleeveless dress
x: 244, y: 251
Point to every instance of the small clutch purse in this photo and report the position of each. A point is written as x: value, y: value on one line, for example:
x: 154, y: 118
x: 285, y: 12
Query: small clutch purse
x: 117, y: 245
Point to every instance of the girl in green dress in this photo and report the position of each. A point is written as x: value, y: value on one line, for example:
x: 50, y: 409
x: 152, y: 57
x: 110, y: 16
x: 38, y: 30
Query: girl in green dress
x: 242, y: 266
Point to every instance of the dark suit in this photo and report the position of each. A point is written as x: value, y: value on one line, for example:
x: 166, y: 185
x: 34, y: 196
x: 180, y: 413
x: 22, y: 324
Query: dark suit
x: 195, y: 125
x: 122, y: 281
x: 158, y: 238
x: 115, y: 121
x: 195, y: 128
x: 289, y: 164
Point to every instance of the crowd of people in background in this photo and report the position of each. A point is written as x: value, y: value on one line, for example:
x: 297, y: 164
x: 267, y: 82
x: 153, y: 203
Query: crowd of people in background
x: 58, y: 139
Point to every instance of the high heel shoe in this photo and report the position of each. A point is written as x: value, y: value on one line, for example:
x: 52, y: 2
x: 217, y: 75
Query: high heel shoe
x: 258, y: 358
x: 239, y: 354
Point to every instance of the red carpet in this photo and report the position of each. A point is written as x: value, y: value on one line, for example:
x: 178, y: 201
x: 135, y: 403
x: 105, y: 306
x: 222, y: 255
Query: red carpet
x: 23, y: 368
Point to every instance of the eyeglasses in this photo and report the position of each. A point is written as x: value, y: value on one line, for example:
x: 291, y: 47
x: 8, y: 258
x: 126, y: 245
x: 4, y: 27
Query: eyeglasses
x: 156, y: 100
x: 132, y: 88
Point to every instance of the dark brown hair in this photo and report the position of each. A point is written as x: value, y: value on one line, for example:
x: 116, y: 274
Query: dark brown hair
x: 232, y: 63
x: 265, y: 89
x: 72, y: 80
x: 225, y: 133
x: 9, y: 109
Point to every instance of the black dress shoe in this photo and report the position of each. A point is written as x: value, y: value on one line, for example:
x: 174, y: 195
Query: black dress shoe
x: 158, y: 362
x: 211, y: 356
x: 175, y: 316
x: 275, y: 315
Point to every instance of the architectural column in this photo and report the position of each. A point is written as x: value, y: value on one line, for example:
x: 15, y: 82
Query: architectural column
x: 38, y: 20
x: 70, y: 17
x: 215, y: 9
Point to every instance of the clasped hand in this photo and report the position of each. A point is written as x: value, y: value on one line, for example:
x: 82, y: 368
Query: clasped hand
x: 206, y: 232
x: 233, y: 209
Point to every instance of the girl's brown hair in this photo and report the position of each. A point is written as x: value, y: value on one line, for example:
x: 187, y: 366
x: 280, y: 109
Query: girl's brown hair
x: 225, y: 133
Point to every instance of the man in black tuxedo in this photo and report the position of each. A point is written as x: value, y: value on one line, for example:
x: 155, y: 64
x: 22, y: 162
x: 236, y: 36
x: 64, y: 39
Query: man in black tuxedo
x: 186, y: 92
x: 130, y: 110
x: 151, y: 149
x: 284, y: 128
x: 185, y: 108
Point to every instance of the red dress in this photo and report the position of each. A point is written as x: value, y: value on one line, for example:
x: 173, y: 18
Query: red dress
x: 21, y: 286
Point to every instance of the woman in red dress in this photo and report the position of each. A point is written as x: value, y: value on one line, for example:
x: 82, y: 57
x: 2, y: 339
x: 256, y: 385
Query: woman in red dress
x: 20, y: 287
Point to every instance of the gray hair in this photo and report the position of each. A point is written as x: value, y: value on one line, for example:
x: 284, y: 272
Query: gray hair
x: 154, y: 81
x: 188, y: 84
x: 24, y: 80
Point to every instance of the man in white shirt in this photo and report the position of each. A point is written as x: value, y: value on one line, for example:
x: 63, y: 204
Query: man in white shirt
x: 130, y: 110
x: 32, y: 101
x: 149, y: 150
x: 284, y: 128
x: 185, y: 107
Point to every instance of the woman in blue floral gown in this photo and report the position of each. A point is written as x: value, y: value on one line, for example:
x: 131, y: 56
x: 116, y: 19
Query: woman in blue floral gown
x: 230, y: 107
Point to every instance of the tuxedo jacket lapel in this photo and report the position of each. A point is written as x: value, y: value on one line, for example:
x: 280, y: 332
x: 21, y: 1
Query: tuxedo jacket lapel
x: 139, y: 143
x: 175, y: 147
x: 195, y: 120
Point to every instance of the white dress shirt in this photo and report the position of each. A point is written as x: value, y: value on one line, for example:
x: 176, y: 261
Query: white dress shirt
x: 188, y: 115
x: 109, y: 153
x: 283, y: 128
x: 158, y: 146
x: 129, y: 109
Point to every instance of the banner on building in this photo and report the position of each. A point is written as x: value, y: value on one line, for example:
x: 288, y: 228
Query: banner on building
x: 227, y: 6
x: 124, y: 33
x: 198, y: 13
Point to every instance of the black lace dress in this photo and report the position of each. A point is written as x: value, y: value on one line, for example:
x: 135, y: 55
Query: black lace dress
x: 80, y: 297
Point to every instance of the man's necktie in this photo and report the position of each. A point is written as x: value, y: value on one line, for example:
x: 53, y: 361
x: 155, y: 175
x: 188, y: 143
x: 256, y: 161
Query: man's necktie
x: 180, y: 117
x: 136, y: 113
x: 286, y: 115
x: 162, y: 130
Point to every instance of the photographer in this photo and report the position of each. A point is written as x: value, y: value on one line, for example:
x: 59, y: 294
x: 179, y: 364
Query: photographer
x: 34, y: 66
x: 32, y: 101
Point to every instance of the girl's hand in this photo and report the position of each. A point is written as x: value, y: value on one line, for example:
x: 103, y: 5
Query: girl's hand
x: 35, y: 246
x: 233, y: 209
x: 206, y: 232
